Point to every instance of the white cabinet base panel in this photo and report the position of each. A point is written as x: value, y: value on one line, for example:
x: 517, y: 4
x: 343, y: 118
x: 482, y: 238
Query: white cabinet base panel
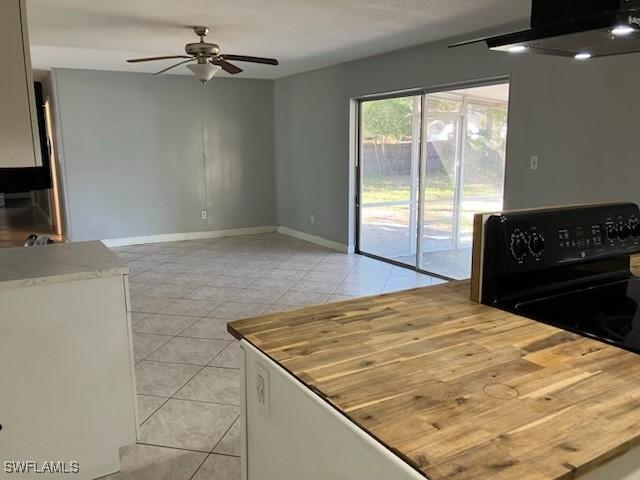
x: 66, y: 376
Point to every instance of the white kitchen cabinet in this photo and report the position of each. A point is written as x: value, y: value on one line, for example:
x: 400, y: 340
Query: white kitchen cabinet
x: 294, y: 435
x: 66, y: 359
x: 19, y: 140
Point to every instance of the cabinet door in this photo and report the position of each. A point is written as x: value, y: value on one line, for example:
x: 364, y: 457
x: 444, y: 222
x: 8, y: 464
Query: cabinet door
x: 19, y: 142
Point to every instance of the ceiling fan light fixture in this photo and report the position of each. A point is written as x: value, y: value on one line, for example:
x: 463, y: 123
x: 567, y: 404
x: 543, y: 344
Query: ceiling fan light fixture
x: 204, y: 71
x: 208, y: 57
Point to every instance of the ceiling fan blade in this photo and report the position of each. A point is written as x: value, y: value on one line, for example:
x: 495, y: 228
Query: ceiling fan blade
x: 151, y: 59
x: 245, y: 58
x: 191, y: 59
x: 226, y: 66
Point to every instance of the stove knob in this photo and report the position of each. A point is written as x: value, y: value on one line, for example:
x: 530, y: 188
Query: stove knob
x: 519, y: 247
x: 612, y: 232
x: 536, y: 244
x: 623, y: 231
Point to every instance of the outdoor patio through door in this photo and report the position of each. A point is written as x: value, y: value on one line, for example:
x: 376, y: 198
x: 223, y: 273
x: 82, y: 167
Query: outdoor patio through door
x: 427, y: 163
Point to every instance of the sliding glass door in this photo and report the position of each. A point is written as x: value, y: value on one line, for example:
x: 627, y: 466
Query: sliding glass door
x: 389, y: 171
x: 427, y: 163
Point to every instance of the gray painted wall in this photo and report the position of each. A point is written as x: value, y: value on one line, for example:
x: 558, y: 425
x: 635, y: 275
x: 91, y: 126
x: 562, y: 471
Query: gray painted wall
x: 579, y: 118
x: 133, y: 162
x: 133, y: 149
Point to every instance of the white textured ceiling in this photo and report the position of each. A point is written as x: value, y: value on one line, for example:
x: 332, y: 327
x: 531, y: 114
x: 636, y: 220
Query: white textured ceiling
x: 302, y: 34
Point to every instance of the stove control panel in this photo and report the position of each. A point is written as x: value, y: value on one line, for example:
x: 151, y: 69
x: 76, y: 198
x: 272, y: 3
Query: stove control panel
x: 532, y: 240
x: 581, y: 237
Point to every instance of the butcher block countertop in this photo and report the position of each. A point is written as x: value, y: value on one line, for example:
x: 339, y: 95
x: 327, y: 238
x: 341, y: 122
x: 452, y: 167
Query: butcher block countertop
x: 461, y: 390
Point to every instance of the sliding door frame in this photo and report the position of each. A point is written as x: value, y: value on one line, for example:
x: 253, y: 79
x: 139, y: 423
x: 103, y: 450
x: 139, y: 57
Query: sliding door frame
x: 422, y: 92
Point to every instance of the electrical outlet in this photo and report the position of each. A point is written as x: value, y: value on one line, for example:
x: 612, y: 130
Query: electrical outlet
x: 260, y: 395
x: 262, y: 386
x: 533, y: 165
x: 312, y: 217
x: 204, y: 214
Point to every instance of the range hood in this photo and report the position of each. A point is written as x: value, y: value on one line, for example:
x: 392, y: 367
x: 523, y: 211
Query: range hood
x: 574, y: 28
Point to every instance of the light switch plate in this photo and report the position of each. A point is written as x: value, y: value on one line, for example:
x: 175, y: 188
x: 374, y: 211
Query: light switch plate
x: 533, y: 165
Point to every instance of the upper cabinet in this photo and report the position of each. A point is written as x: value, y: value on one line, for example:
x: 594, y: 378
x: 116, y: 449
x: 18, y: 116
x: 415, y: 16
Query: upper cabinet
x: 19, y: 142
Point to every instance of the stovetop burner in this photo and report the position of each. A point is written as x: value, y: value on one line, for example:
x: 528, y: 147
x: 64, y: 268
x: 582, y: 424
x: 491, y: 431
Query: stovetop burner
x: 609, y: 312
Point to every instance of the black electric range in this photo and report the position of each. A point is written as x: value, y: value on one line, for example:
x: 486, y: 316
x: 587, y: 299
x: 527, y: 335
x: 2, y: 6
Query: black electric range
x: 568, y: 267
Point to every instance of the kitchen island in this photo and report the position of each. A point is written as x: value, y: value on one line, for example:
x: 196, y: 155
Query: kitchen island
x: 427, y: 383
x: 66, y: 361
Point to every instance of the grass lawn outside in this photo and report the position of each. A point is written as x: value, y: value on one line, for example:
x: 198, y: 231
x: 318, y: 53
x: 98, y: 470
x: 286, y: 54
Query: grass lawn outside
x: 438, y: 204
x: 398, y: 188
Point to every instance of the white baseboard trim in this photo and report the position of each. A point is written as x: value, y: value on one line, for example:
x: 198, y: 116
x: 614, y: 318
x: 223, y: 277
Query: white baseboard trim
x: 323, y: 242
x: 177, y: 237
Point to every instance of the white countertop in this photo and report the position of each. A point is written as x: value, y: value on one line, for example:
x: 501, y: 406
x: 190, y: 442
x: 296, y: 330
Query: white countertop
x: 25, y: 267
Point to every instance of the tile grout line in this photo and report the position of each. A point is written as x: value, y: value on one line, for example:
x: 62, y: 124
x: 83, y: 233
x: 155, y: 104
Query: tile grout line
x: 225, y: 434
x: 199, y: 467
x: 221, y: 351
x: 146, y: 359
x: 207, y: 453
x: 220, y: 404
x: 154, y: 412
x: 172, y: 397
x: 154, y: 351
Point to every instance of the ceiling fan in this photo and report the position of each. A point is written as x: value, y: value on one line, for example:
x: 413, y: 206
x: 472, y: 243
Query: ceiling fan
x: 208, y: 58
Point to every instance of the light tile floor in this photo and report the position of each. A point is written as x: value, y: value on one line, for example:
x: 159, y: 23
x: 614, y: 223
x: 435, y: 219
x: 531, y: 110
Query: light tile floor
x: 187, y: 365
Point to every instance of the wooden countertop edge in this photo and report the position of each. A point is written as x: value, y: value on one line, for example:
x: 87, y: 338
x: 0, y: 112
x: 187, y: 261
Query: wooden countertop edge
x: 238, y: 336
x: 601, y: 460
x: 234, y: 333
